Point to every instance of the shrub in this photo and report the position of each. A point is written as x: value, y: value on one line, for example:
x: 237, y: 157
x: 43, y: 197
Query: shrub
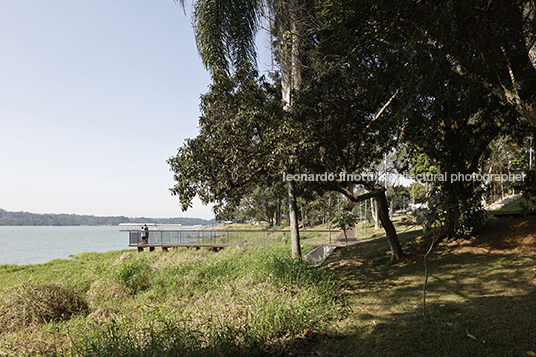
x: 134, y: 274
x: 33, y: 304
x: 104, y: 291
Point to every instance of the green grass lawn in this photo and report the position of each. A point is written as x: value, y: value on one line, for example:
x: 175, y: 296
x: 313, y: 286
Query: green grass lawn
x: 402, y: 224
x: 476, y: 306
x: 244, y: 301
x: 516, y: 205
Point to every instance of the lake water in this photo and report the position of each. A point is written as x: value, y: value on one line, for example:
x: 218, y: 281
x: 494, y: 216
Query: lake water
x: 41, y: 244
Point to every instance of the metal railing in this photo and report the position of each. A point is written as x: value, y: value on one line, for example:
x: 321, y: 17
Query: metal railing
x: 176, y: 237
x: 184, y: 237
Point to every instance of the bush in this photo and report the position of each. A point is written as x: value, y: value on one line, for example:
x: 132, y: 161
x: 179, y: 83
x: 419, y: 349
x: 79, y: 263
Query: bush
x: 105, y: 292
x: 32, y: 304
x: 471, y: 221
x: 134, y: 274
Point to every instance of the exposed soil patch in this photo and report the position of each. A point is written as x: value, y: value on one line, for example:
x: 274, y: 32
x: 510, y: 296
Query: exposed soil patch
x: 305, y: 344
x: 507, y: 237
x: 514, y: 236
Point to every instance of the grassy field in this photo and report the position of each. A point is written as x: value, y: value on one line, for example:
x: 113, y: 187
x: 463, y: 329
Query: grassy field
x: 481, y: 297
x: 258, y: 301
x: 239, y: 301
x: 517, y: 205
x: 402, y: 224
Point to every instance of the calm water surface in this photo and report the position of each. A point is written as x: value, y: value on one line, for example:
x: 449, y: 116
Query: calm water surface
x: 41, y: 244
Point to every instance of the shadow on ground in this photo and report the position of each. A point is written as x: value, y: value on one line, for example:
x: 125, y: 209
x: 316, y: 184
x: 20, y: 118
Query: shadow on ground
x: 458, y: 329
x: 481, y: 299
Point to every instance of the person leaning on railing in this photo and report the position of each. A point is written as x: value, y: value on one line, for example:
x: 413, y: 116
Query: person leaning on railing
x: 143, y: 235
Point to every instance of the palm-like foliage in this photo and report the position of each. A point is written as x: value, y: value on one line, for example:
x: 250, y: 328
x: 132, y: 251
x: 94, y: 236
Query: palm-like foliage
x: 225, y: 32
x: 225, y: 35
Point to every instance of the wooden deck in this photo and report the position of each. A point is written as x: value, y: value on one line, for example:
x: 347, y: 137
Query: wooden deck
x: 166, y: 247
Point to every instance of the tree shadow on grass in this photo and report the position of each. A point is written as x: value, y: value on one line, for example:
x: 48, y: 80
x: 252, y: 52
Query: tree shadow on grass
x: 477, y: 305
x: 486, y: 326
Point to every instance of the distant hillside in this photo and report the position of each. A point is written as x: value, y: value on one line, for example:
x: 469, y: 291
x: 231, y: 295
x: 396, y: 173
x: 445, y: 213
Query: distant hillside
x: 34, y: 219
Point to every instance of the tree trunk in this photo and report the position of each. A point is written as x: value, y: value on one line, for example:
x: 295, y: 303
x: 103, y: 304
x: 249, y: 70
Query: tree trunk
x: 293, y: 216
x: 502, y: 184
x: 528, y: 10
x: 278, y: 210
x: 291, y: 79
x: 291, y: 67
x: 270, y: 222
x: 390, y: 231
x: 374, y: 210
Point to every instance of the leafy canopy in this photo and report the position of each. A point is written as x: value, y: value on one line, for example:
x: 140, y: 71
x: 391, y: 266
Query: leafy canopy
x: 239, y: 144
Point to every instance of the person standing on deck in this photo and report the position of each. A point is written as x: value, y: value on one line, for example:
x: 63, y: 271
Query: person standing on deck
x: 143, y: 235
x: 146, y: 230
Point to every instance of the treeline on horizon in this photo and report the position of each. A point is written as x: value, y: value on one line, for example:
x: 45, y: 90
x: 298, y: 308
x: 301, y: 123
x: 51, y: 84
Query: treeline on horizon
x: 34, y: 219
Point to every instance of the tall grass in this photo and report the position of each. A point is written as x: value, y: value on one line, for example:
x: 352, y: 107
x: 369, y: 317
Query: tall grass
x: 133, y: 274
x: 239, y: 301
x: 32, y: 304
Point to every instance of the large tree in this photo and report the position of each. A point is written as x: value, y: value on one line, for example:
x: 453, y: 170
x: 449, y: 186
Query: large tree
x: 241, y: 116
x: 459, y: 72
x: 344, y: 111
x: 340, y: 135
x: 361, y: 76
x: 460, y: 54
x: 326, y: 123
x: 225, y: 35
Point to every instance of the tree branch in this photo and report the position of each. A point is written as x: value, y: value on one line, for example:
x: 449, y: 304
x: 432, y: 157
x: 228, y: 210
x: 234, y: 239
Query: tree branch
x: 499, y: 91
x: 385, y: 105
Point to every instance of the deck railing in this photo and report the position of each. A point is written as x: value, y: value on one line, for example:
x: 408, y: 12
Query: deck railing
x: 177, y: 237
x: 170, y: 238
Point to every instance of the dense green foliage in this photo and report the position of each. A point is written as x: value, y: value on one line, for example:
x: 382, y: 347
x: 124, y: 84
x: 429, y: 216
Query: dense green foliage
x: 528, y: 188
x: 264, y: 204
x: 240, y: 145
x: 359, y: 78
x: 33, y: 219
x: 461, y: 74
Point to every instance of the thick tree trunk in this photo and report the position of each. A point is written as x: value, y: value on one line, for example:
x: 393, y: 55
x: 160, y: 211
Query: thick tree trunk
x: 374, y: 209
x: 528, y: 9
x: 390, y: 231
x: 293, y: 216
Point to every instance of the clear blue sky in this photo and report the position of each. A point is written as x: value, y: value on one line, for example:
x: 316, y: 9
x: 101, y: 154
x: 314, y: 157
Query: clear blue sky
x: 95, y: 96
